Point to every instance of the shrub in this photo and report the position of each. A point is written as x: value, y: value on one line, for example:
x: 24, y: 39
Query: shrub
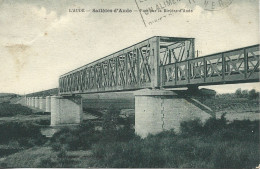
x: 25, y: 133
x: 47, y: 163
x: 212, y: 125
x: 238, y: 93
x: 116, y: 128
x: 81, y: 137
x: 192, y: 127
x: 253, y: 94
x: 111, y: 119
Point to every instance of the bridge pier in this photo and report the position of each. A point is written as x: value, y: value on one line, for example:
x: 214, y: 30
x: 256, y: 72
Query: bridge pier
x: 48, y: 104
x: 42, y: 103
x: 36, y: 105
x: 160, y: 110
x: 29, y: 101
x: 66, y: 110
x: 33, y: 101
x: 26, y: 101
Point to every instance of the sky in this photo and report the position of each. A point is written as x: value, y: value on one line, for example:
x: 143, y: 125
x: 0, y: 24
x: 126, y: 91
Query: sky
x: 41, y: 40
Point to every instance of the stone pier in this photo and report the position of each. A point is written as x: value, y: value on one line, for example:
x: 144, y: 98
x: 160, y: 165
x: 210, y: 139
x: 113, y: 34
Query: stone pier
x: 26, y: 101
x: 42, y: 102
x: 33, y: 101
x: 66, y: 110
x: 36, y: 102
x: 30, y: 101
x: 160, y: 110
x: 48, y: 104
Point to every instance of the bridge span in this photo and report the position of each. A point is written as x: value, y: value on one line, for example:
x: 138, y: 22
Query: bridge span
x: 161, y: 62
x: 151, y: 65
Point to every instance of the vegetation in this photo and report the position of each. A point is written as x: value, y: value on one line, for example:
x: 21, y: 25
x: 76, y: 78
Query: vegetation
x: 7, y: 110
x: 252, y: 94
x: 114, y: 129
x: 232, y: 103
x: 215, y: 144
x: 23, y: 134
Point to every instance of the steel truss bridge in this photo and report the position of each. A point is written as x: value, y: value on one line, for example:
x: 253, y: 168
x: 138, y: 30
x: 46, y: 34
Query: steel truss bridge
x: 162, y: 62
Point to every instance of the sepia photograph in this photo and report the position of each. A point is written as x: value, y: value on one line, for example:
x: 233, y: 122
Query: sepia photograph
x: 129, y: 84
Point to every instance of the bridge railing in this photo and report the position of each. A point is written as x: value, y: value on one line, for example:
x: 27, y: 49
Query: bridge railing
x: 227, y: 67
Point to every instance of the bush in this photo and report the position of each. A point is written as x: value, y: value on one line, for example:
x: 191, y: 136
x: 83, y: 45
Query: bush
x: 253, y: 94
x: 192, y: 127
x: 47, y: 163
x: 81, y: 137
x: 27, y: 134
x: 238, y: 93
x: 111, y: 119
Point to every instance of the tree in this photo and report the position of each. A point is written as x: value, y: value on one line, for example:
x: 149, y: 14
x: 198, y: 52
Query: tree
x: 110, y: 119
x: 253, y: 94
x: 238, y: 92
x: 245, y: 93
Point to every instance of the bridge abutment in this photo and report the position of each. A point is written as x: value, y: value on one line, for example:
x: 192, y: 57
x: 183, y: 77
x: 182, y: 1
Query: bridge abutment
x: 66, y: 110
x: 160, y: 110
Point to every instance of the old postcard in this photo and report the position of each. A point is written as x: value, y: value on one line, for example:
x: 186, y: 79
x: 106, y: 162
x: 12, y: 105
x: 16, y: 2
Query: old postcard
x: 129, y: 84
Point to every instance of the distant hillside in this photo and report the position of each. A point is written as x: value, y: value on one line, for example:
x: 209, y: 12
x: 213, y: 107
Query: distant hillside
x: 48, y: 92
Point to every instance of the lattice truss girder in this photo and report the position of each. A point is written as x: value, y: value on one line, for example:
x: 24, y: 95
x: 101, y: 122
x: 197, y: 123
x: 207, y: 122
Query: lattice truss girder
x: 176, y: 52
x: 240, y: 64
x: 126, y: 69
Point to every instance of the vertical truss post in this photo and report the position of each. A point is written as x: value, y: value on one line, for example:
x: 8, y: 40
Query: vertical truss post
x: 126, y: 66
x: 245, y: 62
x: 138, y: 65
x: 176, y: 73
x: 108, y: 78
x: 155, y: 73
x: 223, y: 66
x: 193, y: 48
x: 162, y: 75
x: 116, y: 59
x: 188, y: 71
x: 205, y: 68
x: 95, y: 77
